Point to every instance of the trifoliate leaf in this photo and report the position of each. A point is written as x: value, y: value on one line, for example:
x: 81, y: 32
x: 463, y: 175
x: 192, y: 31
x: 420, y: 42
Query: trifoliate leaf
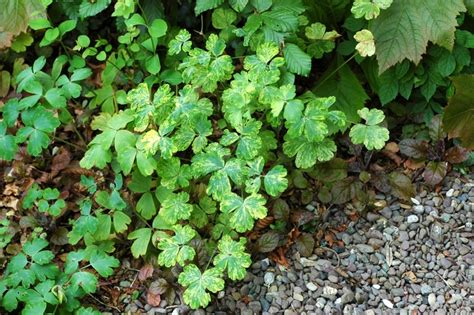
x: 146, y: 206
x: 275, y: 181
x: 427, y: 21
x: 97, y: 156
x: 35, y: 246
x: 140, y: 103
x: 308, y: 153
x: 121, y: 221
x: 180, y: 43
x: 10, y: 299
x: 219, y: 185
x: 85, y: 280
x: 175, y: 207
x: 174, y: 249
x: 369, y: 9
x: 39, y: 122
x: 321, y: 41
x: 297, y: 60
x: 197, y: 284
x: 141, y: 239
x: 173, y: 174
x: 370, y: 134
x: 17, y: 263
x: 8, y: 147
x: 104, y: 263
x: 366, y: 45
x: 205, y: 163
x: 124, y: 8
x: 232, y: 257
x: 244, y: 211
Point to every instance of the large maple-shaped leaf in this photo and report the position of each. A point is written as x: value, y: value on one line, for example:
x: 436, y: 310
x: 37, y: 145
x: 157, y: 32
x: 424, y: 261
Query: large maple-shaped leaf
x: 15, y: 16
x: 405, y: 28
x: 459, y: 113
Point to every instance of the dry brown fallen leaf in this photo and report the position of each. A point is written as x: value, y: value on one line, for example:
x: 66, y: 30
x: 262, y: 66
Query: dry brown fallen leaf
x: 60, y: 161
x: 145, y: 272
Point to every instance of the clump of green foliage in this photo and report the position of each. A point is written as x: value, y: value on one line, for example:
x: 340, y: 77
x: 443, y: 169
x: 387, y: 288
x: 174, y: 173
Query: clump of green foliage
x: 204, y: 128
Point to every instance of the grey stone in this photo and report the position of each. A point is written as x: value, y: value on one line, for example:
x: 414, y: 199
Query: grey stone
x: 419, y: 209
x: 425, y: 289
x: 255, y: 306
x: 436, y: 232
x: 365, y: 248
x: 333, y: 279
x: 445, y: 263
x: 292, y: 277
x: 397, y: 292
x: 347, y: 297
x: 403, y: 236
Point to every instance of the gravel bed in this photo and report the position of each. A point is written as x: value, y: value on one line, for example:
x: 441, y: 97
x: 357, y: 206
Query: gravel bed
x: 409, y: 257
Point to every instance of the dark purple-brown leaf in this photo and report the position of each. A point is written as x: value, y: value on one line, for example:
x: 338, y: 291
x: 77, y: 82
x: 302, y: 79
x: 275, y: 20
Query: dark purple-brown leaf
x: 435, y: 172
x: 401, y: 185
x: 456, y: 155
x: 305, y: 244
x: 416, y: 149
x: 268, y: 242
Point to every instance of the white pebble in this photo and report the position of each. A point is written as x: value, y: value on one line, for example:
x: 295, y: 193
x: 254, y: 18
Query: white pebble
x: 376, y: 286
x: 329, y: 290
x: 387, y: 303
x: 269, y: 278
x: 298, y: 297
x: 412, y: 218
x: 450, y: 193
x: 311, y: 286
x: 415, y: 201
x: 432, y: 299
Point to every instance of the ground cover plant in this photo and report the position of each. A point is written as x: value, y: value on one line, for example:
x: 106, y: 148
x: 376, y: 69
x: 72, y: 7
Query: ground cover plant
x: 179, y: 133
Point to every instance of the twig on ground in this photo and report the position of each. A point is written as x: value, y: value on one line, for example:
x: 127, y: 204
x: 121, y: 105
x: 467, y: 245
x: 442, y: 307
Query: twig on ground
x: 105, y: 304
x: 335, y: 253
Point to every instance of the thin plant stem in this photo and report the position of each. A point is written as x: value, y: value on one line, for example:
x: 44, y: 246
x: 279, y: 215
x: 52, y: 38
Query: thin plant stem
x: 335, y: 71
x: 69, y: 143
